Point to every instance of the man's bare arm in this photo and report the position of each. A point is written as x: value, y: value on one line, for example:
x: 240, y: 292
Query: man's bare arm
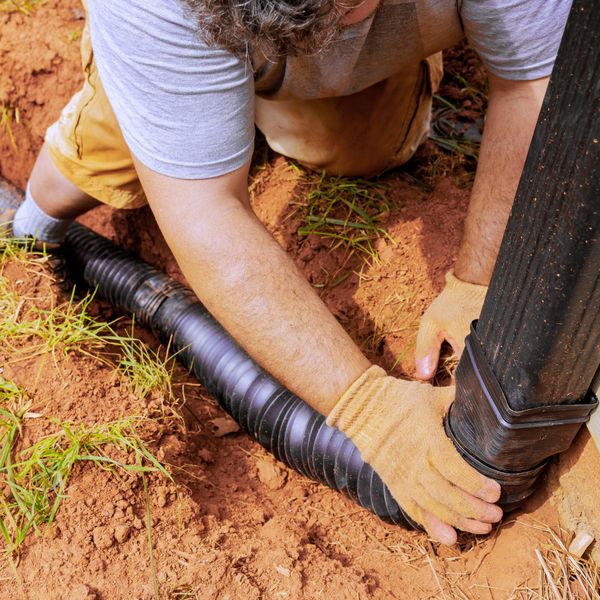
x: 512, y: 114
x: 511, y: 118
x: 257, y: 293
x: 251, y: 286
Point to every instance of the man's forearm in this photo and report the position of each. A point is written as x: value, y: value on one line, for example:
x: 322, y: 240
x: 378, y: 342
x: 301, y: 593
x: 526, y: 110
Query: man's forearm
x: 254, y: 289
x: 510, y: 121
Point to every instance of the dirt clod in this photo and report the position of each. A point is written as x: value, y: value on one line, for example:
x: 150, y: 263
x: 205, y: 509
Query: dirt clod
x: 103, y: 537
x: 122, y: 533
x: 82, y: 592
x: 270, y: 474
x: 206, y: 456
x: 162, y: 497
x: 223, y: 426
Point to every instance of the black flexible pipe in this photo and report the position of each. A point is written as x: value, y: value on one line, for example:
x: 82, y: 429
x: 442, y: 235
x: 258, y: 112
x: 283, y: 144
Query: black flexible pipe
x: 280, y: 421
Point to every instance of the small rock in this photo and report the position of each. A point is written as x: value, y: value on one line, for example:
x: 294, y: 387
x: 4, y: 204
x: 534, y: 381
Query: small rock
x: 222, y: 426
x: 103, y: 537
x: 260, y: 516
x: 161, y: 496
x: 172, y: 446
x: 108, y: 510
x: 270, y: 474
x: 82, y: 592
x: 122, y: 533
x: 282, y: 570
x: 580, y: 543
x: 138, y: 523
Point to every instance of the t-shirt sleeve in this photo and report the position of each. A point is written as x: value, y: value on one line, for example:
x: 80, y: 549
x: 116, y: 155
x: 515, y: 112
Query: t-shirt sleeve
x: 186, y: 110
x: 516, y: 39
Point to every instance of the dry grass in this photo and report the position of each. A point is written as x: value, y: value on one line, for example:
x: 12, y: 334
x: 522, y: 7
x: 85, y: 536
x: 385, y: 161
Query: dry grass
x: 350, y: 211
x: 9, y: 115
x: 26, y: 7
x: 561, y: 575
x: 564, y: 576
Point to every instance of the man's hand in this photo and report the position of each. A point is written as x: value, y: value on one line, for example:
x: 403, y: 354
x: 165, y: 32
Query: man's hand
x: 448, y: 318
x: 398, y: 427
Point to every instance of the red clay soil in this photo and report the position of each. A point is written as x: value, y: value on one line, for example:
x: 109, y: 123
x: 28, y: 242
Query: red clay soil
x: 236, y: 523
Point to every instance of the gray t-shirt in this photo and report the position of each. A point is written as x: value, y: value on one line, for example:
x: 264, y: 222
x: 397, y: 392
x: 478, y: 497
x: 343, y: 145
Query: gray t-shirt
x: 187, y: 110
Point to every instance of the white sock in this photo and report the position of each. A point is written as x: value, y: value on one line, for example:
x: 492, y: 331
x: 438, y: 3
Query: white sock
x: 31, y: 221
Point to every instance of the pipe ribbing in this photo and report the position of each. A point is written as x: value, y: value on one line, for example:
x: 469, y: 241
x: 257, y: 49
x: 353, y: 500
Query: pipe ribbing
x: 280, y: 421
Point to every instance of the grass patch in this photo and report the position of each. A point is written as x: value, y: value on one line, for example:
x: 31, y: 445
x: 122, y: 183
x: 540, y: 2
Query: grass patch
x: 29, y: 323
x: 34, y: 480
x: 28, y: 330
x: 458, y: 111
x: 145, y: 370
x: 348, y: 210
x: 476, y: 95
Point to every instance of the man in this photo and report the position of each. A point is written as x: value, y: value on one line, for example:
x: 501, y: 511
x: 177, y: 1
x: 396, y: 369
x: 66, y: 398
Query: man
x: 172, y: 93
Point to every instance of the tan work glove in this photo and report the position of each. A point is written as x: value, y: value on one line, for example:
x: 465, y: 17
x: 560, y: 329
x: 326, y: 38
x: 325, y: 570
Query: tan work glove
x: 448, y: 318
x: 398, y: 427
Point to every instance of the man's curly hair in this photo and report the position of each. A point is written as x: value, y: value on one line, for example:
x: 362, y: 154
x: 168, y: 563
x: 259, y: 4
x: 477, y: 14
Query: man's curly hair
x: 274, y: 28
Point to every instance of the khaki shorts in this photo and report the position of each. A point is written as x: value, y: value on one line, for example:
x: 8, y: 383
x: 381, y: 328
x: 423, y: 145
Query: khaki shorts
x: 362, y: 134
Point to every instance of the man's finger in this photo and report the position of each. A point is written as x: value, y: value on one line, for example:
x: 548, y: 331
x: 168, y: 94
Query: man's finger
x: 435, y: 528
x: 455, y: 469
x: 427, y: 353
x: 447, y: 513
x: 438, y: 530
x: 460, y: 502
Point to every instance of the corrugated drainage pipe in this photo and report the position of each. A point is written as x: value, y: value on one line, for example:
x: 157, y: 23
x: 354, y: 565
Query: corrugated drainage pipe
x: 280, y: 421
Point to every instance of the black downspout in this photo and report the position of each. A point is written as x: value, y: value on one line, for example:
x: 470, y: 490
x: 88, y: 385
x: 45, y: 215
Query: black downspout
x: 523, y: 380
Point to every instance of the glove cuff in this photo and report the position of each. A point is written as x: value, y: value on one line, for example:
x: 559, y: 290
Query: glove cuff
x: 373, y: 407
x: 472, y: 290
x: 349, y: 412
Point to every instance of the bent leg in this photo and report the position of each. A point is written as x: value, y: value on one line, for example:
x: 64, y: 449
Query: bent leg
x: 54, y: 193
x: 84, y: 162
x: 85, y: 159
x: 362, y: 134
